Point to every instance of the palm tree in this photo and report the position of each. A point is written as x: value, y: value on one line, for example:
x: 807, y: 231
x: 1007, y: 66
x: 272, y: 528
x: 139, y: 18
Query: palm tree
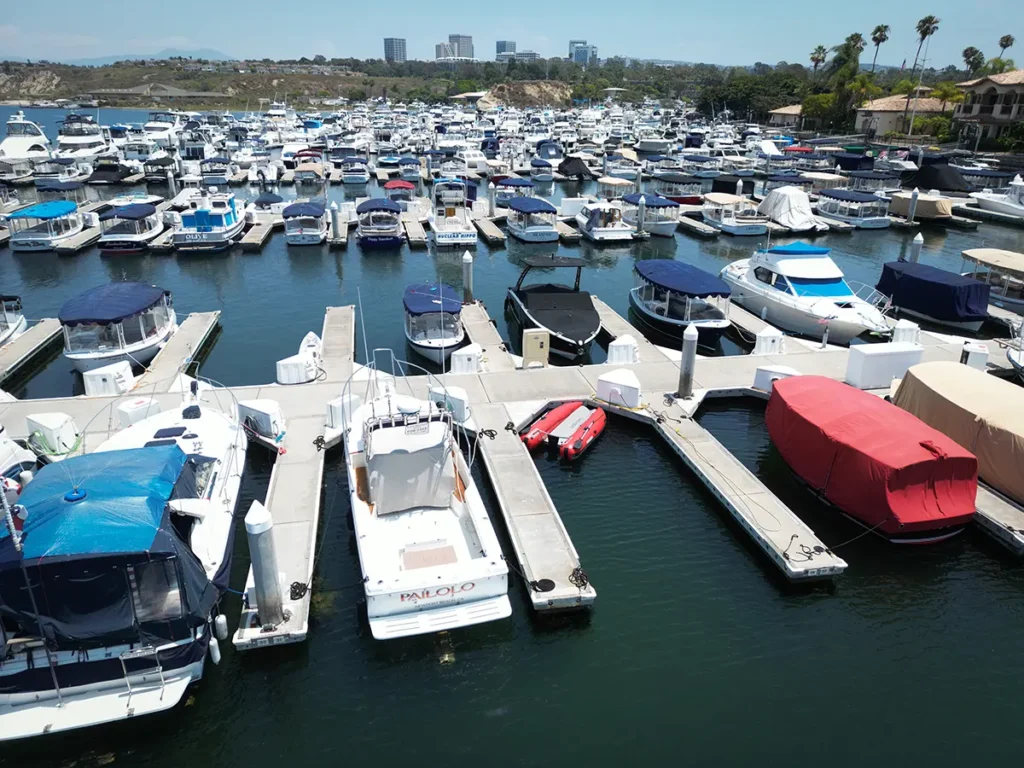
x: 878, y: 36
x: 818, y: 56
x: 1006, y: 41
x: 926, y: 27
x: 947, y: 93
x: 973, y: 59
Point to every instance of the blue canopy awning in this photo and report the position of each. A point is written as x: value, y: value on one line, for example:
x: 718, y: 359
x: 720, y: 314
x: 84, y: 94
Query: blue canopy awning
x: 681, y: 278
x: 850, y: 195
x: 53, y: 209
x: 353, y: 159
x: 530, y: 205
x: 514, y: 181
x: 539, y: 163
x: 378, y: 204
x: 657, y: 158
x: 110, y: 303
x: 650, y: 201
x: 266, y: 199
x: 800, y: 248
x: 132, y: 212
x: 698, y: 159
x: 312, y: 209
x: 408, y: 161
x: 424, y: 298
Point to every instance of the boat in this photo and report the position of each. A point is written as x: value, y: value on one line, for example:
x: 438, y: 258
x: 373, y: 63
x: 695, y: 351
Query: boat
x: 44, y: 226
x: 129, y: 228
x: 880, y: 466
x: 877, y: 183
x: 929, y: 207
x: 404, y: 193
x: 12, y: 323
x: 309, y: 173
x: 532, y: 220
x: 670, y: 295
x: 800, y: 289
x: 23, y: 140
x: 79, y: 137
x: 56, y: 169
x: 164, y: 128
x: 1000, y: 269
x: 541, y: 171
x: 211, y: 222
x: 566, y: 313
x: 935, y: 295
x: 682, y: 188
x: 790, y: 207
x: 864, y: 210
x: 428, y: 553
x: 1010, y: 202
x: 132, y: 547
x: 269, y: 203
x: 354, y: 171
x: 571, y: 427
x: 16, y: 170
x: 601, y: 222
x: 216, y: 171
x: 450, y: 223
x: 108, y: 170
x: 409, y: 168
x: 380, y: 224
x: 116, y: 322
x: 155, y: 169
x: 433, y: 323
x: 623, y: 165
x: 305, y: 223
x: 661, y: 215
x: 511, y: 186
x: 733, y: 214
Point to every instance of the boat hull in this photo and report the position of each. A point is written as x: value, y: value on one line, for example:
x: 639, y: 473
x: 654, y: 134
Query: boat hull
x: 534, y: 235
x: 379, y: 242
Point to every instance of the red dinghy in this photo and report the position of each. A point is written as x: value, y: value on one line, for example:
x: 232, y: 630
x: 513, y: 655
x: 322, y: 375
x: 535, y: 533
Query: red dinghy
x: 585, y: 434
x: 545, y: 425
x: 881, y: 466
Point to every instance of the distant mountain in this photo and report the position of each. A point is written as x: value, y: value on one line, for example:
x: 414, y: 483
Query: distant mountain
x: 167, y: 53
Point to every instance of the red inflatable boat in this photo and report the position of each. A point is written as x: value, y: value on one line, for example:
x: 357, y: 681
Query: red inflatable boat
x: 540, y: 430
x: 573, y: 426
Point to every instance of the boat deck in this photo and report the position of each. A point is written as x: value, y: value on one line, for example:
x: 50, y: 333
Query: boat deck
x: 696, y: 227
x: 481, y: 330
x: 17, y: 353
x: 177, y: 353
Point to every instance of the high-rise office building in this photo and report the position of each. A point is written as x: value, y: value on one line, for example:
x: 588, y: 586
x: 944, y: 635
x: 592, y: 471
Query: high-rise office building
x: 505, y: 46
x: 462, y: 46
x: 394, y: 49
x: 572, y: 47
x: 506, y: 57
x: 443, y: 51
x: 585, y: 54
x: 527, y: 56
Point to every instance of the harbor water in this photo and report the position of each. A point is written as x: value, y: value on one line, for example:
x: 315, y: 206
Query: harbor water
x: 696, y: 651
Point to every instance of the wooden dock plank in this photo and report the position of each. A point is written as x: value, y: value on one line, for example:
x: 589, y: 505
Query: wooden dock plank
x: 695, y: 227
x: 17, y: 353
x: 288, y: 177
x: 163, y: 243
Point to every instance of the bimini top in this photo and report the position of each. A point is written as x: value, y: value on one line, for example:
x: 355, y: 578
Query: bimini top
x: 61, y: 186
x: 52, y: 209
x: 799, y: 248
x: 378, y: 204
x: 132, y: 212
x: 310, y: 209
x: 408, y: 161
x: 996, y: 258
x: 679, y: 178
x: 514, y: 181
x: 851, y: 196
x: 681, y: 278
x: 110, y: 303
x: 700, y: 159
x: 539, y: 163
x: 657, y: 158
x: 986, y: 173
x: 650, y: 200
x: 266, y: 199
x: 424, y: 298
x: 399, y: 184
x: 530, y: 205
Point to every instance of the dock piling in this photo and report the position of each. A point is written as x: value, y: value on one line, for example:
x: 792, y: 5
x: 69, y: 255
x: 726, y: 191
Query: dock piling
x: 916, y: 244
x: 688, y: 363
x: 259, y: 528
x: 467, y: 277
x: 172, y: 187
x: 490, y: 199
x: 913, y: 205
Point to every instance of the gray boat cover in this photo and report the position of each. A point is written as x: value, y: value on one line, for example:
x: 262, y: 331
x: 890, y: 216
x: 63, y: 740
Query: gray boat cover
x: 411, y: 467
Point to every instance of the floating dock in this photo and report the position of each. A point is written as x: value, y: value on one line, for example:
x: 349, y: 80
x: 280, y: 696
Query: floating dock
x: 164, y: 242
x: 383, y: 176
x: 1000, y: 519
x: 288, y: 177
x: 176, y: 355
x: 566, y: 233
x: 99, y: 206
x: 78, y: 242
x: 489, y: 231
x: 256, y: 237
x: 335, y: 176
x: 615, y: 325
x: 414, y: 231
x: 696, y: 227
x: 481, y: 330
x: 239, y: 178
x: 338, y: 239
x: 974, y: 212
x: 17, y: 353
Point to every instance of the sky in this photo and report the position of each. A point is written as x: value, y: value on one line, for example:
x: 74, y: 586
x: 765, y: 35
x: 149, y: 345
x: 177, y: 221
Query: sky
x: 741, y: 33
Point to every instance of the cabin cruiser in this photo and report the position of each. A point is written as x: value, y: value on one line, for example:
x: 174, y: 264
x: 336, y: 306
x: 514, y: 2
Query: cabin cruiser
x: 1010, y: 202
x: 790, y: 207
x: 289, y: 154
x: 1002, y: 270
x: 53, y: 169
x: 733, y: 214
x: 935, y: 295
x: 23, y: 140
x: 354, y: 171
x: 44, y: 226
x: 566, y: 313
x: 141, y: 150
x: 621, y: 167
x: 475, y: 159
x: 155, y: 170
x: 403, y: 193
x: 79, y: 137
x: 380, y: 224
x: 309, y: 172
x: 450, y: 223
x: 305, y: 223
x: 453, y: 168
x: 602, y: 222
x: 671, y: 295
x: 132, y: 546
x: 211, y: 222
x: 433, y: 326
x: 129, y: 228
x: 864, y: 210
x: 660, y: 215
x: 216, y: 171
x: 651, y: 140
x: 12, y: 323
x: 163, y: 128
x: 800, y: 289
x: 264, y: 169
x: 532, y: 220
x: 429, y: 556
x: 108, y: 170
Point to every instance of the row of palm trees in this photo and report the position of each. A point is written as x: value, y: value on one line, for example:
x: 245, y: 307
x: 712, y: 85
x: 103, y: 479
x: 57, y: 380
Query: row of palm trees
x: 926, y: 27
x: 975, y: 59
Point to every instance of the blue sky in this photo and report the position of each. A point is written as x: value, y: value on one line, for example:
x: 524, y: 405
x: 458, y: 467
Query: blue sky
x: 741, y: 32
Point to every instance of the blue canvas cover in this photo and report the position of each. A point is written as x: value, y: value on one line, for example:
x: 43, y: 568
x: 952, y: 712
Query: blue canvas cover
x: 800, y: 248
x: 850, y: 195
x: 267, y: 199
x: 681, y: 278
x: 408, y: 161
x: 110, y: 303
x: 295, y: 210
x: 934, y: 292
x: 514, y: 181
x: 424, y: 298
x: 650, y: 200
x: 530, y: 205
x: 378, y: 204
x: 61, y: 186
x: 539, y: 163
x: 53, y: 209
x: 132, y: 212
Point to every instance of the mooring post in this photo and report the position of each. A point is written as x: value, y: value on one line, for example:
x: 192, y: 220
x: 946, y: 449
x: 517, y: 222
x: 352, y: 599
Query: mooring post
x: 467, y: 278
x: 688, y: 363
x: 915, y: 247
x: 259, y: 528
x: 913, y: 205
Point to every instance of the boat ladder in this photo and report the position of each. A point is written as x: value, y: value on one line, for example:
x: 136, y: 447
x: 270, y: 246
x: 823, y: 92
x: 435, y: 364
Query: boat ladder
x: 143, y: 652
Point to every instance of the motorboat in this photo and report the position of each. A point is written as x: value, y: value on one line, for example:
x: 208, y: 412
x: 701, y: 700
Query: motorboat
x: 107, y: 171
x: 139, y: 151
x: 532, y: 220
x: 429, y: 556
x: 800, y: 289
x: 309, y: 172
x: 268, y: 203
x: 790, y: 207
x: 660, y: 216
x: 44, y: 226
x: 155, y: 170
x: 433, y: 322
x: 570, y: 427
x: 787, y: 179
x: 211, y: 223
x: 879, y: 465
x: 15, y: 170
x: 129, y: 228
x: 733, y: 214
x: 541, y: 171
x: 79, y: 137
x: 305, y: 223
x: 23, y: 140
x: 404, y: 193
x: 164, y: 128
x: 216, y: 171
x: 1010, y: 202
x: 549, y: 151
x: 620, y: 166
x: 450, y: 222
x: 930, y: 207
x: 682, y: 188
x: 132, y: 547
x: 12, y: 321
x: 117, y: 322
x: 511, y: 186
x: 602, y: 222
x: 409, y: 169
x: 354, y: 171
x: 380, y: 224
x: 264, y: 169
x: 864, y: 210
x: 55, y: 169
x: 879, y: 183
x: 565, y: 312
x: 671, y: 295
x: 1002, y: 270
x: 935, y: 295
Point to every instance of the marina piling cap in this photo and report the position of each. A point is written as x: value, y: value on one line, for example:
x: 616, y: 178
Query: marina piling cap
x: 258, y: 519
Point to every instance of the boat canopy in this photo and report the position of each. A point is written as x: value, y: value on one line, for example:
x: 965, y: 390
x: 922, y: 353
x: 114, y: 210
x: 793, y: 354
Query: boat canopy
x: 679, y: 277
x: 52, y: 209
x: 408, y: 161
x: 435, y: 152
x: 60, y: 186
x: 699, y: 159
x: 539, y: 163
x: 399, y: 184
x: 650, y: 200
x: 944, y: 178
x: 851, y: 161
x: 266, y: 199
x: 875, y: 175
x: 353, y: 159
x: 311, y: 209
x: 799, y: 248
x: 425, y: 298
x: 378, y: 204
x: 57, y: 161
x: 132, y: 212
x: 514, y: 181
x: 996, y: 258
x: 110, y: 303
x: 530, y: 205
x: 679, y: 178
x: 790, y: 178
x: 851, y: 196
x: 934, y: 292
x: 657, y: 158
x: 724, y: 198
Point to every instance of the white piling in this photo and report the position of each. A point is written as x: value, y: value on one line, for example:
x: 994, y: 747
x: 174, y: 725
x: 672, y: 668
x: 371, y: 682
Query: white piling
x: 739, y: 187
x: 490, y: 198
x: 171, y: 184
x: 467, y: 277
x: 335, y: 219
x: 915, y: 247
x: 641, y: 214
x: 259, y: 527
x: 913, y: 205
x: 604, y: 164
x: 688, y: 363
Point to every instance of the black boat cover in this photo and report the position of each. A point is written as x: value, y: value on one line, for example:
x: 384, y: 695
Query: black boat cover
x: 944, y: 178
x: 849, y: 161
x: 934, y: 292
x: 574, y: 166
x: 561, y: 310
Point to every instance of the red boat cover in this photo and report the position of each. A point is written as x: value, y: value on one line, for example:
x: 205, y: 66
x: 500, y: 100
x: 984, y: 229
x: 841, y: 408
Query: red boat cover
x: 876, y: 462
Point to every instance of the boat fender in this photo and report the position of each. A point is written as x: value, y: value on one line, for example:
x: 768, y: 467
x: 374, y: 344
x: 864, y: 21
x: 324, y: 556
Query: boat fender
x: 214, y: 650
x: 220, y: 626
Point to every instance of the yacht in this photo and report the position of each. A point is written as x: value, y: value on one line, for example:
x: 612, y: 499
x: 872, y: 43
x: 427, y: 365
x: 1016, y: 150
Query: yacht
x: 450, y: 223
x: 23, y: 140
x: 1009, y: 202
x: 433, y: 326
x: 305, y: 223
x: 116, y: 322
x: 12, y: 319
x: 800, y: 289
x: 532, y: 220
x: 143, y: 528
x: 670, y: 295
x: 130, y: 228
x: 864, y: 210
x: 211, y: 222
x: 79, y: 137
x: 733, y: 214
x: 54, y: 169
x: 216, y: 171
x: 380, y: 224
x: 661, y: 215
x: 44, y: 226
x: 602, y: 222
x: 566, y: 313
x: 1002, y: 270
x: 354, y: 171
x: 141, y: 150
x: 164, y: 128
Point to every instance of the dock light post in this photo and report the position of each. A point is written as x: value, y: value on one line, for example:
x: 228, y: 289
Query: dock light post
x: 259, y: 527
x: 915, y: 247
x: 913, y: 205
x: 467, y: 276
x: 688, y: 363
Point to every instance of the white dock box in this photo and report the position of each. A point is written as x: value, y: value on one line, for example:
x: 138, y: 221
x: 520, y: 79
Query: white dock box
x: 874, y: 366
x: 51, y: 433
x: 109, y: 380
x: 623, y: 351
x: 135, y: 410
x: 975, y: 355
x: 619, y: 387
x: 297, y: 369
x: 467, y: 359
x: 264, y: 416
x: 766, y: 375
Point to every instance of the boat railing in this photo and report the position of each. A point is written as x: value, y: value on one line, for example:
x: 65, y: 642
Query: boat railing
x: 871, y: 295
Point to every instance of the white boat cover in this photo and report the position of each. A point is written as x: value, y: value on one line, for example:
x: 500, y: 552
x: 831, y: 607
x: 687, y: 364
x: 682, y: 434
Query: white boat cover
x: 982, y: 413
x: 410, y: 467
x: 928, y: 206
x: 790, y: 207
x: 769, y: 148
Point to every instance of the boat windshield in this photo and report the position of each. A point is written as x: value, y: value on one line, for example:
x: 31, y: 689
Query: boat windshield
x: 91, y: 337
x: 433, y: 326
x: 825, y: 287
x: 23, y: 129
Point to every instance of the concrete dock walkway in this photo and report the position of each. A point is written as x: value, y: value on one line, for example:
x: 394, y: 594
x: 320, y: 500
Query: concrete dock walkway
x: 17, y: 353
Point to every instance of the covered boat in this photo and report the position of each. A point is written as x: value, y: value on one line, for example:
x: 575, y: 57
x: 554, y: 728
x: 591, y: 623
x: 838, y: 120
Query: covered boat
x: 532, y: 220
x: 935, y: 295
x: 670, y: 295
x: 380, y: 223
x: 929, y: 207
x: 938, y: 176
x: 44, y: 226
x: 982, y: 413
x: 130, y: 228
x: 864, y: 210
x: 1002, y: 270
x: 660, y: 214
x: 790, y: 207
x: 879, y: 465
x: 433, y: 326
x: 305, y: 223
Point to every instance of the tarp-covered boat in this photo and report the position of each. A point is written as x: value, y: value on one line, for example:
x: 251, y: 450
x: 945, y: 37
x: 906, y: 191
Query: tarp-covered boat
x: 935, y: 294
x: 982, y: 413
x: 881, y: 466
x: 928, y: 206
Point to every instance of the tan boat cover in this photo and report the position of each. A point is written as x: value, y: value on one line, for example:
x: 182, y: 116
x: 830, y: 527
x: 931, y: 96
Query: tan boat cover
x: 724, y: 198
x: 615, y: 181
x: 980, y: 412
x: 1007, y: 262
x: 928, y: 206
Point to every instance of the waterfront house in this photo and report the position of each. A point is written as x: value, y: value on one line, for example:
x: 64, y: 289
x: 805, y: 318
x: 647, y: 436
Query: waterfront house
x: 891, y: 113
x: 995, y: 102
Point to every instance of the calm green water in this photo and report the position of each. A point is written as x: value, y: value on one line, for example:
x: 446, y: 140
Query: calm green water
x: 696, y: 652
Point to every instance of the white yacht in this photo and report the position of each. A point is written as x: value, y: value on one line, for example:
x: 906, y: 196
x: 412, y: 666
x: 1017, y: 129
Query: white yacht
x: 602, y: 222
x: 532, y: 220
x: 450, y: 223
x: 733, y: 214
x: 433, y: 326
x: 217, y: 171
x: 23, y: 140
x: 1009, y: 202
x: 800, y: 289
x: 660, y: 214
x: 12, y: 319
x: 305, y: 223
x: 429, y: 556
x: 54, y: 169
x: 116, y: 322
x: 380, y: 224
x: 129, y: 228
x: 211, y: 222
x: 44, y: 226
x: 864, y: 210
x: 79, y: 137
x: 164, y: 128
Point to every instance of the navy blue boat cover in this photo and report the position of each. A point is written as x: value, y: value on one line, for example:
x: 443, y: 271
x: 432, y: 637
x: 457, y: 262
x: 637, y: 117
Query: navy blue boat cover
x: 650, y: 201
x: 295, y: 210
x: 849, y: 161
x: 133, y: 212
x: 110, y: 303
x: 681, y: 278
x: 514, y: 181
x: 377, y: 204
x: 266, y: 199
x: 530, y: 205
x: 934, y: 292
x: 424, y: 298
x: 539, y: 163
